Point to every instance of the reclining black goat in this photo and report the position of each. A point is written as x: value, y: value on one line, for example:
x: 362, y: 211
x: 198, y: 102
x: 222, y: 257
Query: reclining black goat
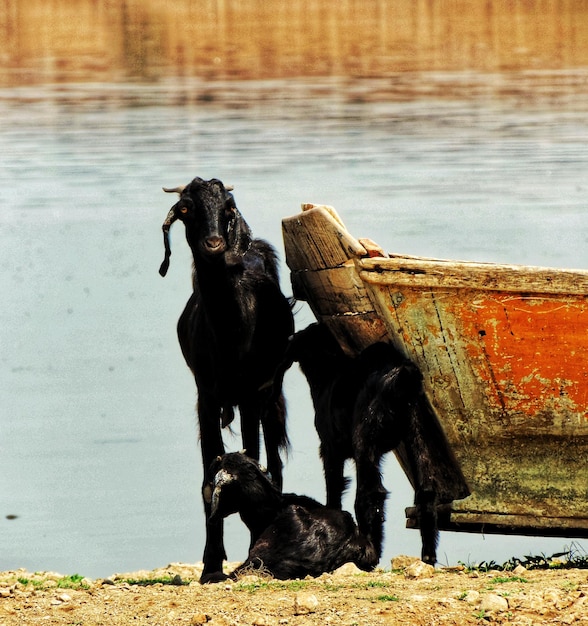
x: 291, y: 536
x: 367, y: 406
x: 233, y: 333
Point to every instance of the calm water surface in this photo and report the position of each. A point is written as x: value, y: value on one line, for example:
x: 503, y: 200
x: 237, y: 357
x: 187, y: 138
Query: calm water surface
x: 99, y: 458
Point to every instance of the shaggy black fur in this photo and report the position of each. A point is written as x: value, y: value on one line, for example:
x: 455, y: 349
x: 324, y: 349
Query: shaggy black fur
x: 365, y: 407
x: 292, y: 536
x: 233, y: 333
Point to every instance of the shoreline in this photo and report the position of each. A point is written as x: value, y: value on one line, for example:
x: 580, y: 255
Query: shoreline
x: 411, y: 594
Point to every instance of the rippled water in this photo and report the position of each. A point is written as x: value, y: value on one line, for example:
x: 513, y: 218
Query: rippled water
x: 99, y: 459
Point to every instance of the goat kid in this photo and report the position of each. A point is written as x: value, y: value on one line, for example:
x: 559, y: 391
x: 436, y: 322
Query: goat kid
x: 292, y: 536
x: 365, y: 407
x: 233, y: 333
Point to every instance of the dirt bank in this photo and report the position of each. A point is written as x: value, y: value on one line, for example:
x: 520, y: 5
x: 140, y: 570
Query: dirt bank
x: 406, y: 595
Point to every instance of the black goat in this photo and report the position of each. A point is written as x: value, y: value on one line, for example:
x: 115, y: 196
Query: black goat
x: 291, y: 536
x: 367, y: 406
x: 233, y: 333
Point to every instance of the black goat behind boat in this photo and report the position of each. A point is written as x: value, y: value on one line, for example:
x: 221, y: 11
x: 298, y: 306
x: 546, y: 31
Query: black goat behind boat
x: 233, y: 333
x: 292, y: 536
x: 365, y: 407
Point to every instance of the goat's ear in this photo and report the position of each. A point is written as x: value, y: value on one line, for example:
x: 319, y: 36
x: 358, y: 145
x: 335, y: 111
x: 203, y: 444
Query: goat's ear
x: 169, y: 220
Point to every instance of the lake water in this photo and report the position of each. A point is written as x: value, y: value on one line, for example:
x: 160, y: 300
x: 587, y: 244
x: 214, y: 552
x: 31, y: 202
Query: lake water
x: 99, y: 460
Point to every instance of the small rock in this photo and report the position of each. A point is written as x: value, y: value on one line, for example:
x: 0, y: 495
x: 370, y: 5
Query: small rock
x: 419, y: 570
x: 402, y: 561
x: 471, y: 597
x: 260, y: 620
x: 551, y: 596
x: 5, y: 592
x: 519, y: 570
x: 494, y: 602
x: 64, y: 597
x: 418, y: 598
x: 305, y: 603
x: 199, y: 618
x: 348, y: 569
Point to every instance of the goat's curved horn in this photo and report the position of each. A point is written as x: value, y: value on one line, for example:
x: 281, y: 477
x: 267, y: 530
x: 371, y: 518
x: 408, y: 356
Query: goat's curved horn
x: 230, y: 187
x: 174, y: 189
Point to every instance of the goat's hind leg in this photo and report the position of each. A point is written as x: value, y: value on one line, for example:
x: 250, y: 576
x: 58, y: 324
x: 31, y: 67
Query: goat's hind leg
x: 335, y: 481
x: 426, y: 510
x: 370, y: 501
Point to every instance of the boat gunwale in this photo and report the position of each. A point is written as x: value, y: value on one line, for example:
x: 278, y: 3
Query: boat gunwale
x: 422, y: 272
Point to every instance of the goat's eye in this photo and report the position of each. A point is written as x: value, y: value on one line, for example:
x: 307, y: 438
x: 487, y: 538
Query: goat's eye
x: 183, y: 210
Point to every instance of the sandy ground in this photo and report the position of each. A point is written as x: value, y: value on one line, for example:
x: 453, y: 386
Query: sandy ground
x: 411, y: 593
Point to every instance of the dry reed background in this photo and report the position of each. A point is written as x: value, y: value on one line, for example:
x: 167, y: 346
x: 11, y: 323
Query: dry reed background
x: 54, y: 41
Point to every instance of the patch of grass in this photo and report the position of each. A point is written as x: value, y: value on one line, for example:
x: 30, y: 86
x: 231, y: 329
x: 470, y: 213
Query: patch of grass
x: 372, y: 584
x: 570, y: 585
x: 72, y: 582
x: 272, y: 585
x: 481, y: 615
x: 388, y: 598
x: 75, y: 581
x: 163, y: 580
x: 497, y: 580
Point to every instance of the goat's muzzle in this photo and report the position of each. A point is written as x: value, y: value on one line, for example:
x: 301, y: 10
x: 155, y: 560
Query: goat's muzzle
x: 169, y: 220
x: 214, y: 245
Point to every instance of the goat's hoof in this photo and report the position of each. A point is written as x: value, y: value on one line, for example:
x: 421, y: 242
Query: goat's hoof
x: 212, y: 577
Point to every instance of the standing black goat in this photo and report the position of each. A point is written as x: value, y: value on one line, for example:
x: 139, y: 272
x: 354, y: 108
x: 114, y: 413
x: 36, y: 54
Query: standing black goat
x: 291, y: 536
x: 367, y: 406
x: 233, y: 333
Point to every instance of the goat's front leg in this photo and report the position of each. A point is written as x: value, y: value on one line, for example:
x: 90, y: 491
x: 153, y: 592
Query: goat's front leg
x: 370, y: 501
x: 334, y: 467
x: 211, y: 443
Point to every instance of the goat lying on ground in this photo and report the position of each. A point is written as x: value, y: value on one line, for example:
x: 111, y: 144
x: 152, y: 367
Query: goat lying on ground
x: 291, y: 536
x: 233, y: 332
x: 367, y: 406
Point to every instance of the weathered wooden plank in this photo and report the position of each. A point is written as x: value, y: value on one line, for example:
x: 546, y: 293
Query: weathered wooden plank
x: 429, y: 273
x: 321, y: 242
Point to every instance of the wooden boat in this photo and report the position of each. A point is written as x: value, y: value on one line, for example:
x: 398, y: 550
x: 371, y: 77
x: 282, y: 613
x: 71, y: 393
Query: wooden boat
x: 504, y: 354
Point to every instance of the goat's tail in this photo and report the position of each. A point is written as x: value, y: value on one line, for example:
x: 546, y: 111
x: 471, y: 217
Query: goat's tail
x: 275, y: 423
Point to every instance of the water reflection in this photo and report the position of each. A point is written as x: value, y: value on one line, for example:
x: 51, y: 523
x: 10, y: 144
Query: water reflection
x: 214, y: 39
x: 98, y: 448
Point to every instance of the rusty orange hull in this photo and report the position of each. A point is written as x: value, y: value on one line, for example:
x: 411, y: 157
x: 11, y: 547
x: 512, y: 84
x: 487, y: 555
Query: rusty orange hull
x: 504, y: 355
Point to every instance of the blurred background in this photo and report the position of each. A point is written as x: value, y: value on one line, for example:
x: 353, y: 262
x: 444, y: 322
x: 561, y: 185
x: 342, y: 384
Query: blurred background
x: 442, y: 128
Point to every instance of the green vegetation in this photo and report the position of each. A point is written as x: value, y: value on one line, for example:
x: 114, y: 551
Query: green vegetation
x: 72, y: 582
x: 272, y: 585
x: 481, y: 615
x: 388, y: 598
x: 572, y: 557
x: 163, y: 580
